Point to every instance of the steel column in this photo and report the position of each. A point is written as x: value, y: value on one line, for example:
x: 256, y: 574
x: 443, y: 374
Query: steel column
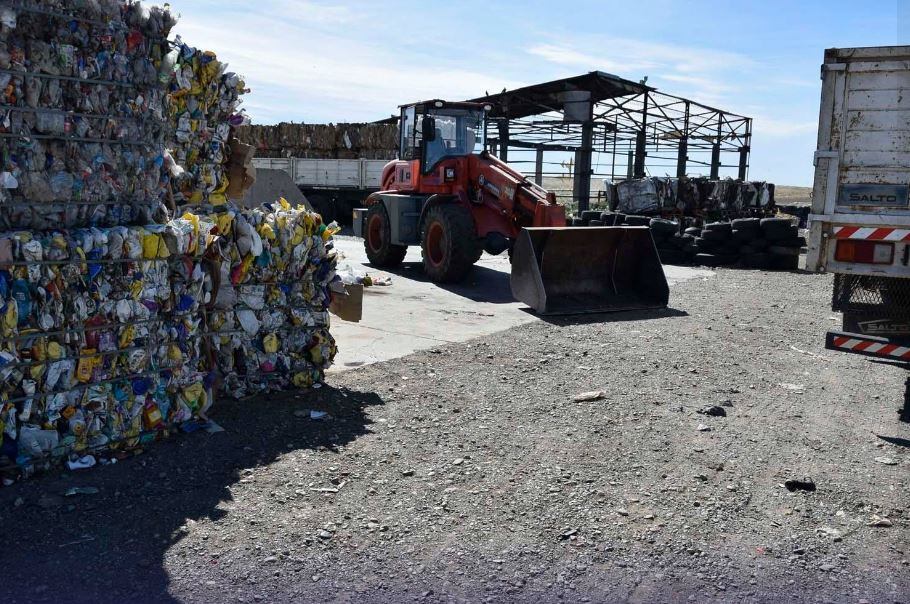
x: 682, y: 156
x: 744, y: 153
x: 582, y: 192
x: 538, y: 166
x: 504, y: 140
x: 641, y: 141
x: 715, y: 152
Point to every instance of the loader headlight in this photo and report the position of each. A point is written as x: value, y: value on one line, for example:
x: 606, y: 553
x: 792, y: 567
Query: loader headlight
x: 450, y: 175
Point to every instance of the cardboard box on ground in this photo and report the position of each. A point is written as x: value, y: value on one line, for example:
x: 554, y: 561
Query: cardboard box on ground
x: 348, y: 305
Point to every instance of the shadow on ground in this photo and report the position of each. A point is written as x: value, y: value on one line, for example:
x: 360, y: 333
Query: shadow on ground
x: 610, y: 317
x: 110, y: 547
x: 482, y: 284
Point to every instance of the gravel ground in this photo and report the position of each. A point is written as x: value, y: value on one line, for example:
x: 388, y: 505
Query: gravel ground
x: 469, y: 473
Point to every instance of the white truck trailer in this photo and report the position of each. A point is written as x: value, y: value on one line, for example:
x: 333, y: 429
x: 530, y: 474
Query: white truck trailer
x: 860, y: 221
x: 334, y: 187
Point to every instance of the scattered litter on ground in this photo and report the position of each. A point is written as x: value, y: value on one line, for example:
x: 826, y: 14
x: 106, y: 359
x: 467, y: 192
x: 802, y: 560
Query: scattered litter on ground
x: 811, y: 354
x: 84, y: 539
x: 81, y: 463
x: 793, y: 387
x: 713, y: 410
x: 594, y: 395
x: 879, y: 522
x: 800, y: 484
x: 71, y: 492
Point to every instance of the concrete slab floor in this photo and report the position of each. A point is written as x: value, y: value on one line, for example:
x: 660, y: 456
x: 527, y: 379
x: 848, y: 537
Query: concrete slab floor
x: 415, y: 314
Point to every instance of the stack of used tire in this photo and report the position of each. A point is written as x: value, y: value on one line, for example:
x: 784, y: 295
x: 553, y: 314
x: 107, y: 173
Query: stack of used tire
x: 800, y: 212
x: 782, y: 244
x: 762, y: 243
x: 673, y: 247
x: 714, y: 245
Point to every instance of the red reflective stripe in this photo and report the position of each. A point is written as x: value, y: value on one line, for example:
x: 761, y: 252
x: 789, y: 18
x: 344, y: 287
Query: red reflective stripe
x: 888, y: 349
x: 840, y: 341
x: 906, y: 355
x: 863, y: 345
x: 845, y: 232
x: 880, y: 233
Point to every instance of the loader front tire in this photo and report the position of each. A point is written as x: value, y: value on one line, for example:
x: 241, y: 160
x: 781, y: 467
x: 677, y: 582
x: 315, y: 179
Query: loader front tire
x: 377, y: 239
x: 450, y: 244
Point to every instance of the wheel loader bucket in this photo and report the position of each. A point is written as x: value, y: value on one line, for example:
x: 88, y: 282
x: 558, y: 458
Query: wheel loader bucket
x: 567, y: 270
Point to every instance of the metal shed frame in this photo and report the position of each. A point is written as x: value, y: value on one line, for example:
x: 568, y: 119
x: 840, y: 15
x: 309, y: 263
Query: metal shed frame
x: 644, y: 131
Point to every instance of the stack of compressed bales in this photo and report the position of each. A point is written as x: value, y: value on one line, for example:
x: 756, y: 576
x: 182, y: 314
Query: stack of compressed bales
x: 270, y: 321
x: 83, y: 113
x: 202, y: 110
x: 100, y: 342
x: 692, y: 197
x: 330, y: 141
x: 115, y: 319
x: 111, y: 337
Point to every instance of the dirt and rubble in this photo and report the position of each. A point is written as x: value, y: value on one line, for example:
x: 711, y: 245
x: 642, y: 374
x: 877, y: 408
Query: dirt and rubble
x: 470, y: 472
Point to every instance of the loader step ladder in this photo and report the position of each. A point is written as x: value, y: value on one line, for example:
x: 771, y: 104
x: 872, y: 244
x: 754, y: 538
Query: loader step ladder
x: 895, y: 351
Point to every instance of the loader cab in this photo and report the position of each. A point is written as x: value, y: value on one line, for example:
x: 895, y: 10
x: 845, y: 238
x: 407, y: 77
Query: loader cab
x: 436, y: 130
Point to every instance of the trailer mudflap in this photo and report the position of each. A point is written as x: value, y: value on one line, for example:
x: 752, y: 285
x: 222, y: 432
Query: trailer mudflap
x: 892, y: 349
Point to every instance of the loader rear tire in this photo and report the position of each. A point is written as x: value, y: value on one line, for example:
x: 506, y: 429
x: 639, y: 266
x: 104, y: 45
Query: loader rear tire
x: 377, y: 239
x: 450, y: 243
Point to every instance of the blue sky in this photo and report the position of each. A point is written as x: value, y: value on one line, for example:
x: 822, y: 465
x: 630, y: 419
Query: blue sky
x: 333, y: 60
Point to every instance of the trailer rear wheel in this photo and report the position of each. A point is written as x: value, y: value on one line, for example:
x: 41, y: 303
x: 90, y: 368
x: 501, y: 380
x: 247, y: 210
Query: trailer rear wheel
x: 450, y: 244
x: 378, y: 239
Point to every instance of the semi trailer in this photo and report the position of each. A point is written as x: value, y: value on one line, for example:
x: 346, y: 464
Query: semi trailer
x: 859, y: 228
x: 334, y: 187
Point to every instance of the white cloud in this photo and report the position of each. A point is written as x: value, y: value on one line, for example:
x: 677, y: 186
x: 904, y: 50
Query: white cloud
x: 634, y: 57
x: 782, y: 128
x: 573, y: 58
x: 304, y: 72
x: 323, y: 14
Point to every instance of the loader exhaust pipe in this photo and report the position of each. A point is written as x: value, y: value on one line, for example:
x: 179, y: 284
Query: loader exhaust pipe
x: 566, y: 270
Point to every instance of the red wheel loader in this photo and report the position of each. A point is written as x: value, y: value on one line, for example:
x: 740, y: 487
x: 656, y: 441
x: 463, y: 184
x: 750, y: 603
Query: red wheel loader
x: 450, y: 196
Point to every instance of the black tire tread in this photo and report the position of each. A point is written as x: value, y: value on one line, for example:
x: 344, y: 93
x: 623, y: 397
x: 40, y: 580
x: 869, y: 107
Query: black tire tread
x: 461, y: 237
x: 389, y: 255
